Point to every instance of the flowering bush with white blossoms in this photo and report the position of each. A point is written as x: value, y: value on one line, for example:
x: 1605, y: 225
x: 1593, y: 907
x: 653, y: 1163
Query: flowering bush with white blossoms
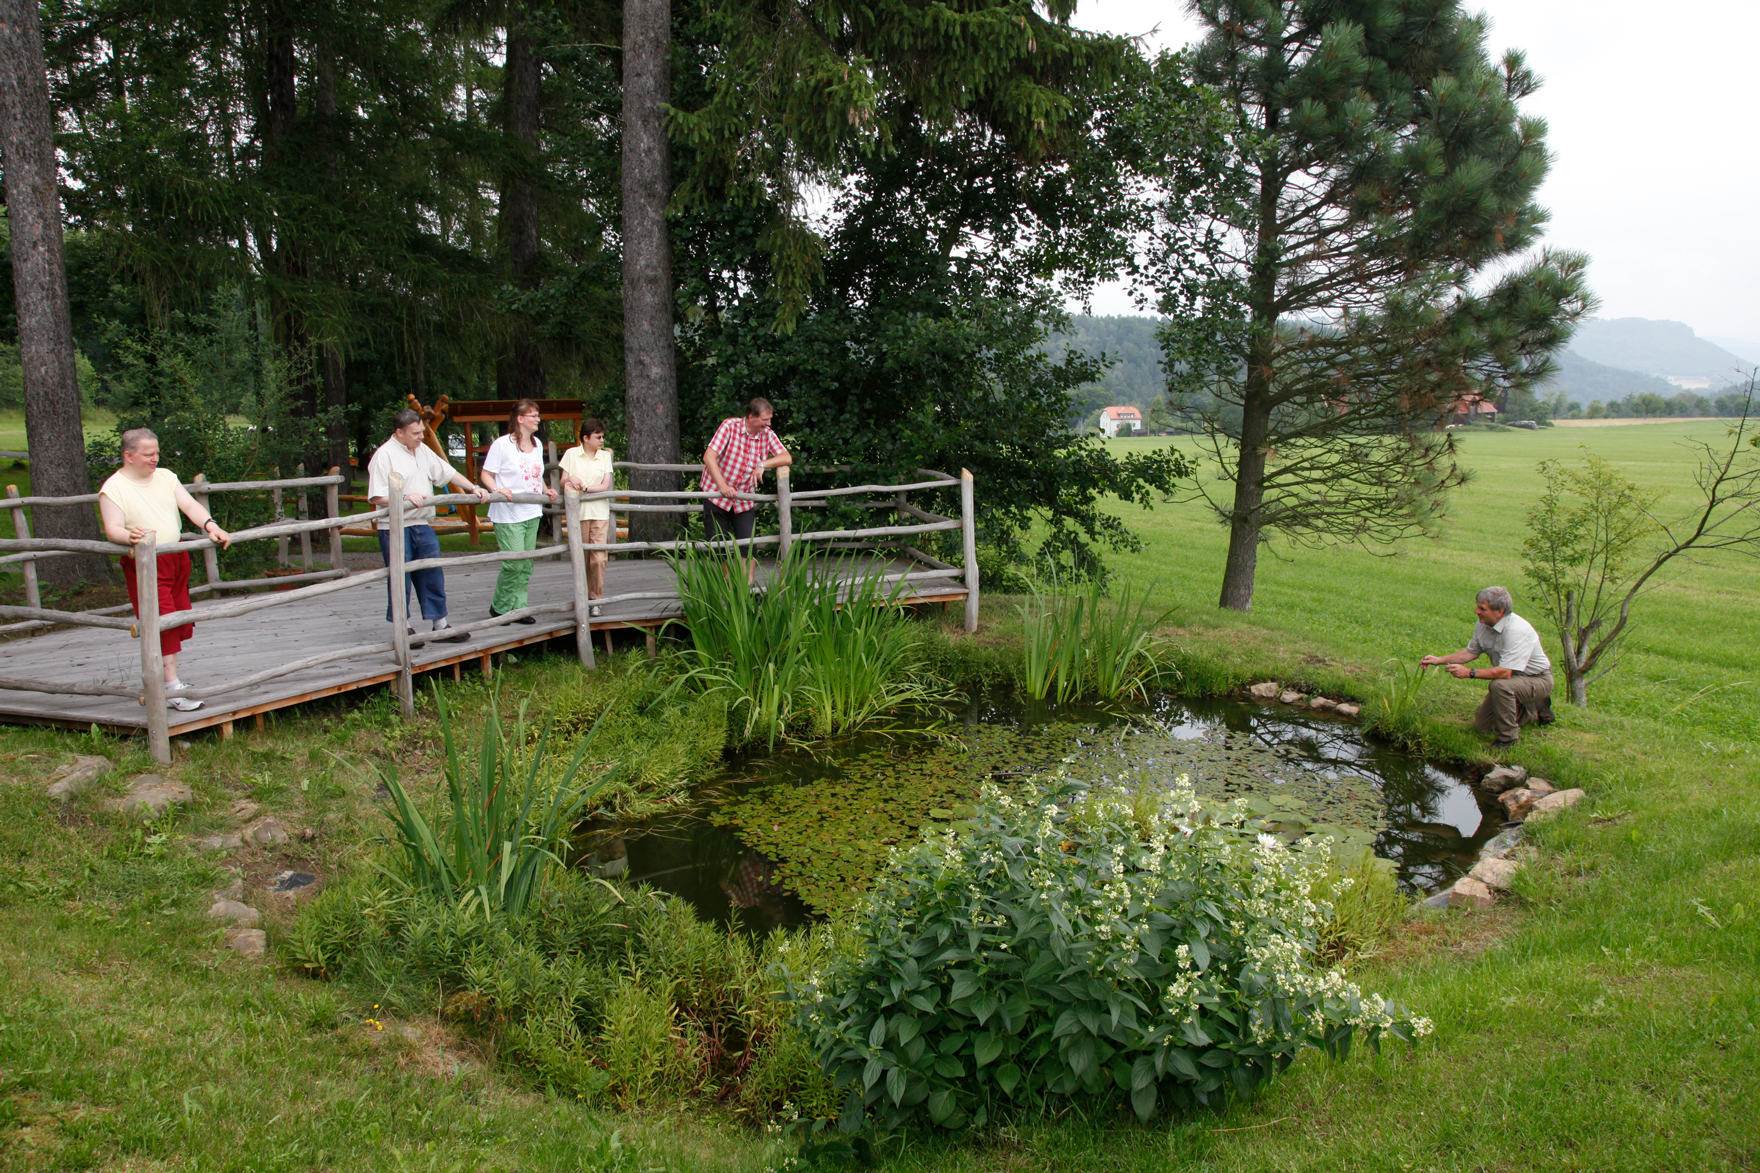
x: 1080, y: 945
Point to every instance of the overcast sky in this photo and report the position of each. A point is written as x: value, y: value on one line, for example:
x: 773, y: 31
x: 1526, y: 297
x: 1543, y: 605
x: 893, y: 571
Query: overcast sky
x: 1653, y: 126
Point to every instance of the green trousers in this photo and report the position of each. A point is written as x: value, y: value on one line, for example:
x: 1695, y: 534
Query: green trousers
x: 510, y: 585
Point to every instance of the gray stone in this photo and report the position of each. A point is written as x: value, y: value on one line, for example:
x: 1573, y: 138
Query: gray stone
x: 1541, y: 786
x: 1346, y: 709
x: 1290, y: 696
x: 233, y: 891
x: 610, y: 861
x: 1470, y: 893
x: 77, y: 776
x: 247, y: 942
x: 150, y: 796
x: 1553, y: 803
x: 1440, y: 900
x: 1265, y: 692
x: 1501, y: 844
x: 291, y: 881
x: 1323, y: 704
x: 266, y: 832
x: 219, y: 842
x: 1504, y: 778
x: 1495, y: 873
x: 232, y: 910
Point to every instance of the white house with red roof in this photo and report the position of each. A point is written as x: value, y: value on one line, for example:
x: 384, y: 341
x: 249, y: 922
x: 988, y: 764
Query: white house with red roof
x: 1117, y: 420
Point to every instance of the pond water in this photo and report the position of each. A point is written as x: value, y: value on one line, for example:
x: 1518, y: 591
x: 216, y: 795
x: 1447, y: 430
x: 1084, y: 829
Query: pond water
x: 783, y: 836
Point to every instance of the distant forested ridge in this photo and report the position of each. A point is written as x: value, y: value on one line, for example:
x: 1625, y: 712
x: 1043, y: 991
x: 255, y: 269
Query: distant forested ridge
x: 1135, y: 377
x: 1580, y: 380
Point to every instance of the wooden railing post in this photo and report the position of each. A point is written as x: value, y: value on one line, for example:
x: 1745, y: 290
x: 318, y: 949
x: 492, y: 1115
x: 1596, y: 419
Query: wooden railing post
x: 146, y: 585
x: 577, y: 563
x: 21, y: 528
x: 280, y: 515
x: 333, y: 510
x: 210, y: 556
x: 555, y: 483
x: 968, y: 532
x: 406, y: 686
x: 305, y: 537
x: 784, y: 514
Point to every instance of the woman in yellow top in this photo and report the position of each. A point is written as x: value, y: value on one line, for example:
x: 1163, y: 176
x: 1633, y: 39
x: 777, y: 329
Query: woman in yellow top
x: 586, y: 468
x: 141, y: 498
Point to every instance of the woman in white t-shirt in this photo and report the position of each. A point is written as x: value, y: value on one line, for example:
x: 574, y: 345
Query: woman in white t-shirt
x: 586, y: 468
x: 515, y: 464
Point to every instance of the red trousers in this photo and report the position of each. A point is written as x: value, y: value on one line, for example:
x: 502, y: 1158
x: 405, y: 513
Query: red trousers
x: 173, y: 595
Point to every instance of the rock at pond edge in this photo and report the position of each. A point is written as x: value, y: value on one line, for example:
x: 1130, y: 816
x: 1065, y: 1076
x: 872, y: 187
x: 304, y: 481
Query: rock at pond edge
x: 1322, y: 704
x: 1504, y: 778
x: 1346, y: 709
x: 1470, y: 893
x: 1495, y: 873
x: 1553, y: 803
x: 1290, y: 696
x: 1266, y: 691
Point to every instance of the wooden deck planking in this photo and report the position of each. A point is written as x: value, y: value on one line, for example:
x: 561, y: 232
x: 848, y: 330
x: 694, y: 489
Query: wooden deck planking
x: 227, y: 649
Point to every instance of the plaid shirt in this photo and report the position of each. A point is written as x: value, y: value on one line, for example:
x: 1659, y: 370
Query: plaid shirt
x: 740, y: 455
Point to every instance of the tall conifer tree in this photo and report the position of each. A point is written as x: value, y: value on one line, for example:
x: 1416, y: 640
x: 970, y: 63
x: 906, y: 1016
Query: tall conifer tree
x: 1342, y: 300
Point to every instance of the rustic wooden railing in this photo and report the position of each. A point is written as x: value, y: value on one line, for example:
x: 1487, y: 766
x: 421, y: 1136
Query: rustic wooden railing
x: 25, y: 549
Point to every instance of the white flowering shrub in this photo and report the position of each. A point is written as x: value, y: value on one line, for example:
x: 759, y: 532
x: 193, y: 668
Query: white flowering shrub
x: 1085, y: 946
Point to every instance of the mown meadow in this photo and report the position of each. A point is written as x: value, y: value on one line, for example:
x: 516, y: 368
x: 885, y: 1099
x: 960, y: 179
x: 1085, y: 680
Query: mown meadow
x: 1607, y: 1016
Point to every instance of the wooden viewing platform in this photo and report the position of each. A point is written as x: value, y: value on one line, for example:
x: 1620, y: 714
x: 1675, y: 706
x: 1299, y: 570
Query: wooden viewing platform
x: 324, y: 631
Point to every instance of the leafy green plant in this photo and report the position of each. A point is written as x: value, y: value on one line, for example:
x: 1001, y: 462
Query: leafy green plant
x: 502, y: 839
x: 1393, y: 705
x: 1074, y: 643
x: 1074, y: 947
x: 819, y: 648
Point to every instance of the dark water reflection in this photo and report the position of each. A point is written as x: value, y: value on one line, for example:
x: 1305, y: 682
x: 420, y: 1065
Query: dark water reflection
x: 1424, y: 818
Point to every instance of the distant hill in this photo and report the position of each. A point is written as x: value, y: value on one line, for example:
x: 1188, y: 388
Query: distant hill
x: 1135, y: 379
x: 1583, y: 381
x: 1655, y: 348
x: 1747, y: 351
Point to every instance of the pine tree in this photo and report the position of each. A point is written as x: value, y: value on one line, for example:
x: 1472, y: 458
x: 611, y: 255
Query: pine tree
x: 1327, y: 301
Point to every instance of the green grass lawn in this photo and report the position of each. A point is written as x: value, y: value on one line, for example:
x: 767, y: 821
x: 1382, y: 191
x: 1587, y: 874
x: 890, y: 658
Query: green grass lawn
x: 1607, y: 1017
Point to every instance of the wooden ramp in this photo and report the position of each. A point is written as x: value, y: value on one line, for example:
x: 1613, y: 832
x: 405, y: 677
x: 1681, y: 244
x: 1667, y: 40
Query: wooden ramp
x: 230, y: 649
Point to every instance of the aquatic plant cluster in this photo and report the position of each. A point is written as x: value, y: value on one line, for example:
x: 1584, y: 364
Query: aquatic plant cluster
x: 807, y: 652
x: 1086, y: 947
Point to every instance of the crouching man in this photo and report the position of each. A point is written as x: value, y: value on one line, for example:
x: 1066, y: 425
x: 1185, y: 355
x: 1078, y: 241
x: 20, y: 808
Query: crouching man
x: 1520, y: 674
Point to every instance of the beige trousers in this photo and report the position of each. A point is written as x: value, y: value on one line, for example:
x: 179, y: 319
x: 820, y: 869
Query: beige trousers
x: 1510, y: 703
x: 595, y: 532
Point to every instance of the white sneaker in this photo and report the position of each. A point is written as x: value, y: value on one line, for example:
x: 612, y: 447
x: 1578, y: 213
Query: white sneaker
x: 182, y: 704
x: 176, y: 686
x: 595, y: 612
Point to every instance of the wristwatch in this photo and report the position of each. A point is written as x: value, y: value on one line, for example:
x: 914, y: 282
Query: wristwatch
x: 1473, y: 672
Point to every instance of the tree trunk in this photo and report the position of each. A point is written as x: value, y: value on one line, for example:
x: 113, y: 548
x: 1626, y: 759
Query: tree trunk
x: 1245, y: 522
x: 286, y: 255
x: 649, y: 367
x: 520, y: 204
x: 335, y: 370
x: 54, y: 436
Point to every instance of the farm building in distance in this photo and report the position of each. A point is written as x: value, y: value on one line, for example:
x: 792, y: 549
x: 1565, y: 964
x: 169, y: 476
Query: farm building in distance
x: 1117, y: 420
x: 1471, y: 408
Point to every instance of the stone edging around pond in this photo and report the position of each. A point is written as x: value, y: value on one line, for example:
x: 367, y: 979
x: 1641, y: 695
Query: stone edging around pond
x: 1270, y: 690
x: 1524, y: 800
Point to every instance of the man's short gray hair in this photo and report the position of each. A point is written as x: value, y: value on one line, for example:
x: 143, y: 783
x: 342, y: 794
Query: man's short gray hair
x: 405, y: 418
x: 1497, y: 598
x: 131, y: 439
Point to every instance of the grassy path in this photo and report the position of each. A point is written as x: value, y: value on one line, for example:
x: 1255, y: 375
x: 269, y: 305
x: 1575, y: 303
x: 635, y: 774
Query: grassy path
x: 1606, y: 1018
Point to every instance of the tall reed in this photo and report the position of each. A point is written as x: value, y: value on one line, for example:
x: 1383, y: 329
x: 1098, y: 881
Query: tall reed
x: 1393, y: 707
x: 1077, y: 643
x: 502, y: 839
x: 819, y: 649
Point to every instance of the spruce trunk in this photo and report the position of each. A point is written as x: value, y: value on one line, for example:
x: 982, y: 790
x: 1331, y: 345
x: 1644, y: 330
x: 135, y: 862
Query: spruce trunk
x: 524, y: 105
x: 54, y: 435
x: 650, y: 372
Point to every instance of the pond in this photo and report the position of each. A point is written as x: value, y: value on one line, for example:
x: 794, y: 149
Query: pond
x: 782, y: 836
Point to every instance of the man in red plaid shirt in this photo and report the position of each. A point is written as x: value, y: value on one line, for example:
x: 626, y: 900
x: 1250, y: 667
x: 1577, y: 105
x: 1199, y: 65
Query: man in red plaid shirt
x: 736, y: 458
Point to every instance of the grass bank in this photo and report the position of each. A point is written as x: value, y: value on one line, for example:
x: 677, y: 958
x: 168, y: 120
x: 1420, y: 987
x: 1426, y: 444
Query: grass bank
x: 1605, y: 1017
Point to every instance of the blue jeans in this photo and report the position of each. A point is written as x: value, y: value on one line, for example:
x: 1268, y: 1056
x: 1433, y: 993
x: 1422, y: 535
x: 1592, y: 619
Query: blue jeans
x: 429, y: 585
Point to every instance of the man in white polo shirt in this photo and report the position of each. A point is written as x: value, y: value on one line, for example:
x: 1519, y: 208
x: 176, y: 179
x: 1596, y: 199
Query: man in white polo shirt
x: 421, y: 468
x: 1520, y: 674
